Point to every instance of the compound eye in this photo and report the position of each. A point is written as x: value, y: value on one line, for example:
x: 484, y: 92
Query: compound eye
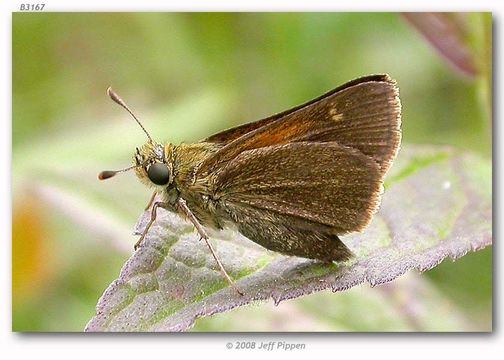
x: 158, y: 173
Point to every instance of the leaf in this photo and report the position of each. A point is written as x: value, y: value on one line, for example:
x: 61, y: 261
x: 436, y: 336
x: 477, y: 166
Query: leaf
x: 437, y: 204
x: 448, y: 34
x: 410, y: 303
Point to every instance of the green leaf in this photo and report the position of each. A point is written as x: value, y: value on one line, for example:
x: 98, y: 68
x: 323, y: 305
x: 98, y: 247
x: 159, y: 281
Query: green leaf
x: 437, y: 204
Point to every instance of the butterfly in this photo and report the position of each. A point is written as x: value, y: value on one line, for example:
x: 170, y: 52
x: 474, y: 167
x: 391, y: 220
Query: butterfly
x: 293, y: 182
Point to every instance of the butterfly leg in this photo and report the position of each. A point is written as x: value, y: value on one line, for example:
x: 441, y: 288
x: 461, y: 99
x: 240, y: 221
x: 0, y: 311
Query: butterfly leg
x: 152, y: 219
x: 202, y: 233
x: 153, y: 196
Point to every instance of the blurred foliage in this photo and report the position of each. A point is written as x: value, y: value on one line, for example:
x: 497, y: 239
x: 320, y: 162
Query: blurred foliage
x: 203, y: 72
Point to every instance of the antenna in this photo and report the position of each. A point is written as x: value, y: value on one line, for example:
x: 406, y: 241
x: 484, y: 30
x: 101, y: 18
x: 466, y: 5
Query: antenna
x: 107, y: 174
x: 117, y: 99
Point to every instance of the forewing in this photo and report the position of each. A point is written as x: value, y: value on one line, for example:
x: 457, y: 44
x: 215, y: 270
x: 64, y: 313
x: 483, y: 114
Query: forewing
x: 327, y: 184
x: 229, y: 135
x: 364, y: 114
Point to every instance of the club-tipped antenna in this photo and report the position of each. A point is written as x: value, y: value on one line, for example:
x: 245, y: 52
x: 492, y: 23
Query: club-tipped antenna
x: 107, y: 174
x: 117, y: 99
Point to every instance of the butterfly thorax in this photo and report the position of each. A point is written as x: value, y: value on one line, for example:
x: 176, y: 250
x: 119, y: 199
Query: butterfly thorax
x: 196, y: 190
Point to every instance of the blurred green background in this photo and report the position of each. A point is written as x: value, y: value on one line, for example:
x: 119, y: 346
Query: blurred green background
x: 188, y: 76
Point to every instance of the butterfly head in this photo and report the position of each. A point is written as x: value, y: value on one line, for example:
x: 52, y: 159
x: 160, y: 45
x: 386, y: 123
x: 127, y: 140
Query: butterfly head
x: 150, y: 162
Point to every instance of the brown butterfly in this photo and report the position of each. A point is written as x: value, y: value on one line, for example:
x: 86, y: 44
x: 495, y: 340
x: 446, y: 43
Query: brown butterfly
x: 293, y: 182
